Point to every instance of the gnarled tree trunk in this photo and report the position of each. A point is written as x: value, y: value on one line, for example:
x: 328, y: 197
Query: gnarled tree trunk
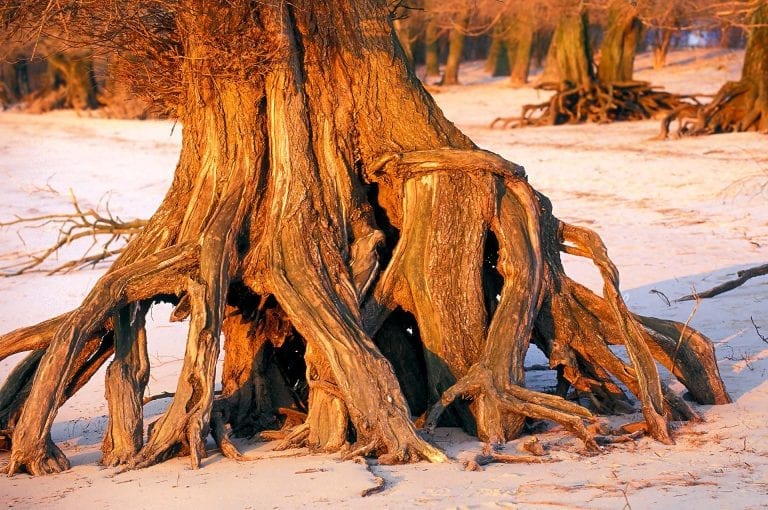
x: 325, y: 198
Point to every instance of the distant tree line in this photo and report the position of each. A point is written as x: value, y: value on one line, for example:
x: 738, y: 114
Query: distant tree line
x: 512, y: 36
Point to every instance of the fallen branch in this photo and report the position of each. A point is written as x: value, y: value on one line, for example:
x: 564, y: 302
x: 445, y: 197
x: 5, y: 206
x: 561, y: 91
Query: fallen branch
x: 741, y: 279
x: 757, y: 330
x: 379, y: 483
x: 489, y: 455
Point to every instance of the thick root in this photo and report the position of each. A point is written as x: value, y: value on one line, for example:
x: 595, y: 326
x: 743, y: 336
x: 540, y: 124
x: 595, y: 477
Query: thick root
x: 127, y: 376
x: 586, y: 243
x: 309, y: 275
x: 135, y: 282
x: 479, y: 384
x: 186, y: 422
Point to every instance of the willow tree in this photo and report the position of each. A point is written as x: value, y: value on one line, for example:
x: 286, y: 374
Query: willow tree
x: 511, y: 45
x: 617, y: 52
x: 322, y: 197
x: 583, y: 92
x: 738, y: 105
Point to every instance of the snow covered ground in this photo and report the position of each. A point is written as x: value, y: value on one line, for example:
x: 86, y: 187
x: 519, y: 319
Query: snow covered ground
x: 676, y: 215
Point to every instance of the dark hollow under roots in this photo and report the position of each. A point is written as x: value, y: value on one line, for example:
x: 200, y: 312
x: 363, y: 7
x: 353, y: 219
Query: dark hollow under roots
x: 597, y: 102
x: 355, y: 399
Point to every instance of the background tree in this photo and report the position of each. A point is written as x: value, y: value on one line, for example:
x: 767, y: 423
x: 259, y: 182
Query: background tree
x: 514, y: 34
x: 321, y: 198
x: 623, y: 30
x: 584, y: 93
x: 740, y: 105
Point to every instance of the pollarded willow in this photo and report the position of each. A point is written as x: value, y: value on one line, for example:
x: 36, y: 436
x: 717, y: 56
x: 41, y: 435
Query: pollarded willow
x: 325, y: 203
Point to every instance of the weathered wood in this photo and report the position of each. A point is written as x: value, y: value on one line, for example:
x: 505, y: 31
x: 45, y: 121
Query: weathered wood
x: 126, y: 379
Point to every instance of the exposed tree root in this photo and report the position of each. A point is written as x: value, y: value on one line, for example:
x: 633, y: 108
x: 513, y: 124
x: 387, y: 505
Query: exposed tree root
x: 739, y: 105
x: 478, y: 383
x: 32, y: 446
x: 490, y: 455
x: 523, y: 228
x: 598, y: 102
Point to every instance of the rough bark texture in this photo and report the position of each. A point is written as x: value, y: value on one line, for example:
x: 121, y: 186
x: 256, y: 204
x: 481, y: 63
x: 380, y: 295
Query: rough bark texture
x: 326, y: 202
x: 740, y: 105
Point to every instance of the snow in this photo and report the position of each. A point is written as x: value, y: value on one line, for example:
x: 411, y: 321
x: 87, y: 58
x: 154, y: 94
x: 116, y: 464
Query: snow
x: 676, y: 215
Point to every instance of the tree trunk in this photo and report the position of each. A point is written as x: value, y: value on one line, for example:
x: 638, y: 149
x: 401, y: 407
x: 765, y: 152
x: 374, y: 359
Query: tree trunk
x: 456, y: 48
x: 432, y: 47
x: 520, y: 47
x: 327, y: 197
x: 497, y: 63
x: 570, y: 53
x: 661, y: 42
x: 731, y: 37
x: 617, y: 53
